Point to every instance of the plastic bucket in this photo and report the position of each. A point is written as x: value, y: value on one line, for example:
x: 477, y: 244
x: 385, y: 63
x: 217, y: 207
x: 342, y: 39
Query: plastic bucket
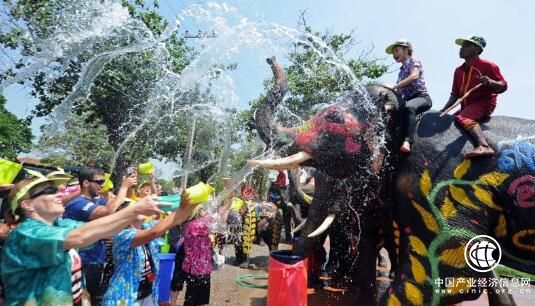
x: 165, y: 274
x: 173, y: 199
x: 199, y: 193
x: 8, y: 171
x: 287, y: 279
x: 146, y: 168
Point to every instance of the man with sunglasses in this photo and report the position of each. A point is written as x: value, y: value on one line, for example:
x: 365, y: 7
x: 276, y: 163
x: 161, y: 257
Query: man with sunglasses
x: 89, y: 206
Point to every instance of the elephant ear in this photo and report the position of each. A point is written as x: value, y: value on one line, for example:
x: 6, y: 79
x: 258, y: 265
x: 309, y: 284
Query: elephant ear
x: 384, y: 98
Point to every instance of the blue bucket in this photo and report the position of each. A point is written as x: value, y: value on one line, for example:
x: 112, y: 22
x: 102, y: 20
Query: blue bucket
x: 167, y: 264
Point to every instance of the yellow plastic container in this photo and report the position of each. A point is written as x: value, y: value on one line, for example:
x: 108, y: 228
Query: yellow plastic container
x: 8, y: 171
x: 146, y: 168
x: 199, y: 193
x: 108, y: 184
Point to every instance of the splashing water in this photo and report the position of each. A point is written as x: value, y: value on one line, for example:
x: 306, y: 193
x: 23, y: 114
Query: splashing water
x: 103, y: 31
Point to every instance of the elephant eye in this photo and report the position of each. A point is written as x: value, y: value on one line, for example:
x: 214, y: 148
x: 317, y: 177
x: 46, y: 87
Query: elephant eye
x: 334, y: 117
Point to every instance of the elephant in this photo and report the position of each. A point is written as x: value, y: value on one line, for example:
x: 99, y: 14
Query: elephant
x: 434, y: 199
x: 254, y: 221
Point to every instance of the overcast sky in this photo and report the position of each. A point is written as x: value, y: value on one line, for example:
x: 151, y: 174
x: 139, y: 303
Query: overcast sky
x: 431, y: 26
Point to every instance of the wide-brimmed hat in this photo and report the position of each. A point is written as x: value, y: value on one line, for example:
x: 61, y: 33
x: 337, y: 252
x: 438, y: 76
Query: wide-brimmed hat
x: 400, y: 42
x: 477, y: 40
x: 40, y: 180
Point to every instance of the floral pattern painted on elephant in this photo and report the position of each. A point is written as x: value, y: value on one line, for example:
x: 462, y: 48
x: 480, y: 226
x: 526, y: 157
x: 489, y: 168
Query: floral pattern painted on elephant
x: 447, y: 246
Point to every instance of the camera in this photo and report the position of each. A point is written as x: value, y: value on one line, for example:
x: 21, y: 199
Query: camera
x: 130, y: 171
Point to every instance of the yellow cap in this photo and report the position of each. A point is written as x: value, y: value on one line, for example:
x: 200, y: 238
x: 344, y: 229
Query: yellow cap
x: 38, y: 181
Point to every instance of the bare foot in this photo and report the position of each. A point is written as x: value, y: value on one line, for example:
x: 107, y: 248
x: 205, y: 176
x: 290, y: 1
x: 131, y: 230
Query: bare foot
x: 480, y: 151
x: 406, y: 147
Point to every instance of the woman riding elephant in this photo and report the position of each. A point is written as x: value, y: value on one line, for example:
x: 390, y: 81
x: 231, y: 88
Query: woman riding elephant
x: 411, y: 87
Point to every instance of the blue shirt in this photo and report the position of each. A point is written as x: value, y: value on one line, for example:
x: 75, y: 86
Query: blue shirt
x: 129, y: 264
x: 415, y: 87
x: 80, y: 209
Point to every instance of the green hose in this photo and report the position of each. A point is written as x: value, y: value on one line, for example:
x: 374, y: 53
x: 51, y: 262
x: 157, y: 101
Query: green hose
x: 250, y: 285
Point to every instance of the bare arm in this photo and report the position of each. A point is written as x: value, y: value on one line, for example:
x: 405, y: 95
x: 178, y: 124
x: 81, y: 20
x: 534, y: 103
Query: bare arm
x: 110, y: 225
x: 415, y: 74
x: 496, y: 86
x: 175, y: 218
x: 69, y: 197
x: 153, y: 187
x: 111, y: 207
x: 451, y: 100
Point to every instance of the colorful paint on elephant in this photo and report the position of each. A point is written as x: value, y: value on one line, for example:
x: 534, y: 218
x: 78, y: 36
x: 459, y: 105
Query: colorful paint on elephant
x: 436, y: 218
x: 433, y: 260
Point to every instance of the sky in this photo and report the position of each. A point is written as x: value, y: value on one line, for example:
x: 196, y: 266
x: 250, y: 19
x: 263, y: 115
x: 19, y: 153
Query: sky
x: 431, y: 26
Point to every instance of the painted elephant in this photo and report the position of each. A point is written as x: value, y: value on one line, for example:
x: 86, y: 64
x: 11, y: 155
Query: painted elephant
x: 438, y: 199
x: 252, y: 222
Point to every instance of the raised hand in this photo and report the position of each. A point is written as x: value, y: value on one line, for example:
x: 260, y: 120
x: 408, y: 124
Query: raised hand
x: 129, y: 181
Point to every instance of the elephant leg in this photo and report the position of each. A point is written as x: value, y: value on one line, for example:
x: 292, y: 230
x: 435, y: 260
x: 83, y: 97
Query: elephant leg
x: 390, y: 246
x: 238, y: 250
x: 276, y: 230
x: 287, y: 217
x: 364, y: 276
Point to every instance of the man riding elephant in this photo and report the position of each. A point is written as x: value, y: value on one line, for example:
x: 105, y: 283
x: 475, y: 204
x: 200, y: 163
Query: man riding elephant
x: 439, y: 199
x: 478, y: 105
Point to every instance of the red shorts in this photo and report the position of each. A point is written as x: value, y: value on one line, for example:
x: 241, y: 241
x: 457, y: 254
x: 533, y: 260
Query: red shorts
x: 473, y: 113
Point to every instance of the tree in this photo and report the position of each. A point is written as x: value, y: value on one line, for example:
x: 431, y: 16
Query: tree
x: 77, y: 144
x: 15, y: 134
x: 120, y: 91
x: 316, y: 74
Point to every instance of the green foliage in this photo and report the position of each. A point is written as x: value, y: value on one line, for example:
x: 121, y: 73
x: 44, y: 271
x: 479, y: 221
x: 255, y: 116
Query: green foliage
x: 118, y: 96
x: 77, y: 144
x: 312, y: 76
x: 15, y: 135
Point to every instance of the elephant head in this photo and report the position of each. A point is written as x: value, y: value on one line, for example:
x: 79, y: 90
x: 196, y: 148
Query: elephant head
x: 340, y: 141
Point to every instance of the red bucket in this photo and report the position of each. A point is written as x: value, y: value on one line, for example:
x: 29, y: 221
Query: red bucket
x: 287, y: 279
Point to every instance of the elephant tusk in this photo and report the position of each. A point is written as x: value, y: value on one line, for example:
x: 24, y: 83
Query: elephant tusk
x: 282, y: 163
x: 299, y: 227
x: 323, y: 227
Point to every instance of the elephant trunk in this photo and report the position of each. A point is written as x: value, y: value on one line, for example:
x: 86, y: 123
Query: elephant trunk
x: 264, y: 113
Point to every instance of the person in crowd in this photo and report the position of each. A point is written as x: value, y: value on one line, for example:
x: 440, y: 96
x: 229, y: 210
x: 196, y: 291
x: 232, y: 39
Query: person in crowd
x: 39, y: 264
x: 90, y: 206
x: 197, y: 263
x: 135, y: 257
x: 278, y: 194
x: 479, y: 102
x: 411, y: 87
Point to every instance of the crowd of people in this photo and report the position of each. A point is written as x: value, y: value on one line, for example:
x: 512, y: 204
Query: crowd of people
x: 66, y: 240
x: 72, y: 239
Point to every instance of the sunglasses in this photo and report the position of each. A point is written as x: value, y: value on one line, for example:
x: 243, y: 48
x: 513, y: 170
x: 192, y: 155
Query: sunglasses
x: 100, y: 182
x: 46, y: 191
